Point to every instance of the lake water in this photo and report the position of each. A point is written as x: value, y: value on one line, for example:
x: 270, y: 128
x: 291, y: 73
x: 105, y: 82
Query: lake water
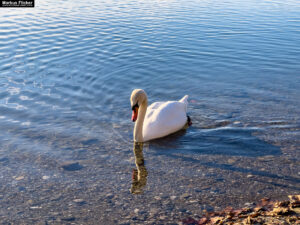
x: 67, y: 69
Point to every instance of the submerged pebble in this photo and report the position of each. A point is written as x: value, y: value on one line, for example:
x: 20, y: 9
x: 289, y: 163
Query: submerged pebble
x: 79, y: 200
x: 173, y: 197
x: 19, y: 178
x: 45, y: 177
x: 71, y: 166
x: 185, y: 195
x: 157, y: 198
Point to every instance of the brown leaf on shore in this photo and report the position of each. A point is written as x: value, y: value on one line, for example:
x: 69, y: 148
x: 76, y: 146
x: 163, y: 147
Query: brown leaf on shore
x: 294, y: 200
x: 190, y: 221
x: 246, y: 210
x: 259, y: 209
x: 282, y: 204
x: 216, y: 219
x: 265, y: 201
x: 294, y: 220
x: 242, y: 216
x: 237, y: 212
x: 212, y: 214
x: 203, y: 220
x: 266, y: 212
x: 280, y: 211
x: 228, y: 209
x: 254, y: 214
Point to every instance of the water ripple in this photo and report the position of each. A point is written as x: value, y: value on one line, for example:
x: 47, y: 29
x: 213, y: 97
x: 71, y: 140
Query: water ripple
x: 77, y: 63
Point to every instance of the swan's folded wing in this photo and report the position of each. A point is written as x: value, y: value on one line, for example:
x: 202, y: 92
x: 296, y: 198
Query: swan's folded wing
x: 163, y: 118
x: 155, y: 105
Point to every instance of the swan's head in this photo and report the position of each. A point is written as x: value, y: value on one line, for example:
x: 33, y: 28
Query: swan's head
x: 137, y: 98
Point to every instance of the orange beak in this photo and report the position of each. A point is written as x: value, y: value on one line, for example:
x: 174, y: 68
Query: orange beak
x: 134, y: 114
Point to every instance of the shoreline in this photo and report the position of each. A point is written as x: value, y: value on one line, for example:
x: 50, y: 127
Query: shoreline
x: 266, y: 211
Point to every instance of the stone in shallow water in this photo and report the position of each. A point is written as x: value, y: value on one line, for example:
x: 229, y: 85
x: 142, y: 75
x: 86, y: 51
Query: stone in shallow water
x: 21, y: 188
x: 157, y: 198
x: 19, y: 178
x: 185, y: 195
x: 4, y: 161
x: 79, y: 200
x: 249, y: 204
x: 162, y: 217
x: 231, y: 161
x: 69, y: 219
x: 154, y: 210
x: 193, y: 201
x: 90, y: 141
x: 35, y: 207
x: 71, y: 166
x: 109, y: 196
x: 266, y: 158
x: 173, y: 197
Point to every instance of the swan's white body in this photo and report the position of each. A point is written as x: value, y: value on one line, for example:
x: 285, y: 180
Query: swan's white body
x: 164, y: 118
x: 159, y: 119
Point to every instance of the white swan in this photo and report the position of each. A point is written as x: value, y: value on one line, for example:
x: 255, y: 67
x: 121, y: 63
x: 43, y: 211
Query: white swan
x: 159, y: 119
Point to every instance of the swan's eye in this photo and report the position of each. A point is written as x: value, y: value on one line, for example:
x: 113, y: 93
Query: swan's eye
x: 135, y: 106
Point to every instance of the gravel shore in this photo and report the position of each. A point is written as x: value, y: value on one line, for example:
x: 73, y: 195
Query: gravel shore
x: 265, y: 212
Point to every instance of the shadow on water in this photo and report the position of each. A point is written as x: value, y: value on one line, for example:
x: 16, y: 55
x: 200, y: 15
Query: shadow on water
x: 241, y: 170
x: 226, y: 141
x: 139, y: 175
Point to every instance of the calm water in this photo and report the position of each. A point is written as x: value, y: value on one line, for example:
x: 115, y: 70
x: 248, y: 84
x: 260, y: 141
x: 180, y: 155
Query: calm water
x: 66, y: 73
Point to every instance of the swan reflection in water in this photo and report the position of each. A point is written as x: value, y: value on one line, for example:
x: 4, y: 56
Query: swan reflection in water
x: 139, y: 175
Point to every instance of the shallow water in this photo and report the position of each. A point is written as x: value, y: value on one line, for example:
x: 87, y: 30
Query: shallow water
x: 66, y: 73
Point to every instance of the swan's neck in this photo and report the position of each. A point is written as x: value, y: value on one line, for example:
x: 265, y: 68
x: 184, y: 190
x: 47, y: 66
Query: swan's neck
x: 138, y: 128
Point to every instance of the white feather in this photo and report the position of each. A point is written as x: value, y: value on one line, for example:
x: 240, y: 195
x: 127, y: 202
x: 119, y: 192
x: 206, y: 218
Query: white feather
x: 164, y: 118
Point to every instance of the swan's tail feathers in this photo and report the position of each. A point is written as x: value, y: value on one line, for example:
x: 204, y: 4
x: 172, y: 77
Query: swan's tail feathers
x: 184, y: 99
